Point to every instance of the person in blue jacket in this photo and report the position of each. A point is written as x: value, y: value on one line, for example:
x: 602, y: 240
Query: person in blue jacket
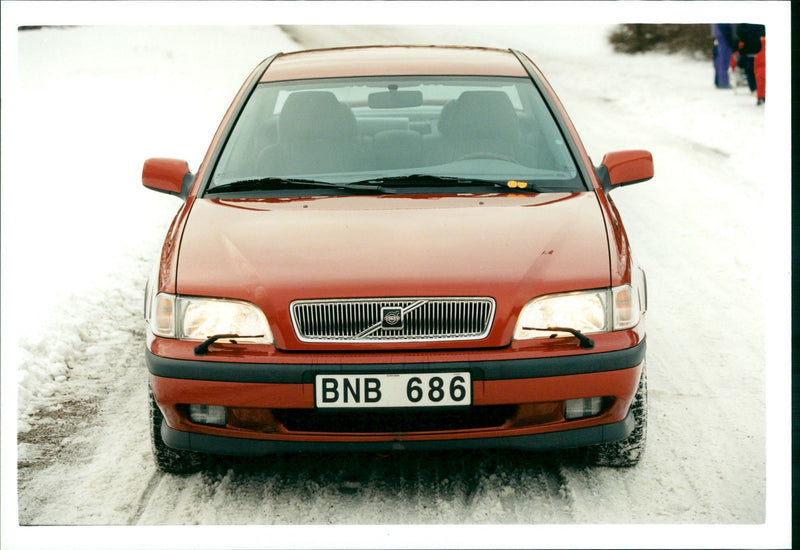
x: 723, y: 49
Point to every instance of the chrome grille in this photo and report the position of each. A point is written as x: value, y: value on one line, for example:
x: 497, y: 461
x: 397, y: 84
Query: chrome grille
x: 392, y: 319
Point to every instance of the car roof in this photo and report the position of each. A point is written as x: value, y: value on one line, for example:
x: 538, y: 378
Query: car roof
x: 393, y: 60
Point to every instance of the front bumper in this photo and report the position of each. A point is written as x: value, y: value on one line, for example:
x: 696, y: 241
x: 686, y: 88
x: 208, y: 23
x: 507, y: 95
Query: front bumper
x: 531, y: 392
x: 235, y: 446
x: 303, y: 373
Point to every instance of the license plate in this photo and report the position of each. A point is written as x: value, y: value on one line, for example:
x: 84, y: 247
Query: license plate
x: 441, y: 389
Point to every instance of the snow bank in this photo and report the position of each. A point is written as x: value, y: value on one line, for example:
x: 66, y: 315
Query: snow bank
x: 91, y: 105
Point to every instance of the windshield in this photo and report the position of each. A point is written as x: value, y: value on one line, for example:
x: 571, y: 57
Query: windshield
x: 397, y: 129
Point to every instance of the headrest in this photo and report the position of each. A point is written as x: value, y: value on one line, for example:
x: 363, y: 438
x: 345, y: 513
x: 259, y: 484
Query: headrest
x: 315, y: 115
x: 480, y: 114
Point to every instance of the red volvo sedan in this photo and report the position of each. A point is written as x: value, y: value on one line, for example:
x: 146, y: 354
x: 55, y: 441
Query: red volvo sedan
x: 390, y: 248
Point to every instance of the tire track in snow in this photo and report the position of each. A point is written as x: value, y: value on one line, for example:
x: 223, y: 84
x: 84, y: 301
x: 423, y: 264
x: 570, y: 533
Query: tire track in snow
x: 557, y: 487
x: 146, y: 497
x: 402, y: 488
x: 513, y: 487
x: 534, y: 489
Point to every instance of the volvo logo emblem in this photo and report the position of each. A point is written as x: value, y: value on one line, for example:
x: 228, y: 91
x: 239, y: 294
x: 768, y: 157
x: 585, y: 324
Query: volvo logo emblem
x: 391, y: 318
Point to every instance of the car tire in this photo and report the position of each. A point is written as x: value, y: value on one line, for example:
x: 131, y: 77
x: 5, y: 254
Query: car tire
x: 628, y: 451
x: 172, y: 461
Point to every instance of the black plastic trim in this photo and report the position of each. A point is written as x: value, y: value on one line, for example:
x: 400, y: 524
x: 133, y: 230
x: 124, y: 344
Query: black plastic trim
x: 286, y: 373
x: 236, y: 446
x: 186, y: 185
x: 602, y: 175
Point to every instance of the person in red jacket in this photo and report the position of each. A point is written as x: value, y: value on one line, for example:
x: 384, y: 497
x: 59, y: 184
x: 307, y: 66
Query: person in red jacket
x: 760, y: 70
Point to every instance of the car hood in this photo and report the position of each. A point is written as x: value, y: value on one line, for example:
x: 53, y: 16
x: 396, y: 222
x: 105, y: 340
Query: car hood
x: 511, y: 248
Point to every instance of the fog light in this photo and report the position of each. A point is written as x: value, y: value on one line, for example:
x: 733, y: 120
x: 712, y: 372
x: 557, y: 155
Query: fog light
x: 207, y: 414
x: 581, y: 408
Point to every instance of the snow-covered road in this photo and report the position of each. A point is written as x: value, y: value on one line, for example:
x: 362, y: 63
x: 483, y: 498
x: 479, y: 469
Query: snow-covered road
x: 94, y: 102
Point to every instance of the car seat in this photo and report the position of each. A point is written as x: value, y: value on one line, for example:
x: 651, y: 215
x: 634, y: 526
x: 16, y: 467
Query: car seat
x: 316, y: 134
x: 480, y: 122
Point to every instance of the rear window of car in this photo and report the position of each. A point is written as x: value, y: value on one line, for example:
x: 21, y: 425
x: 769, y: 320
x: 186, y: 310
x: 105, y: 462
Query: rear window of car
x: 343, y: 130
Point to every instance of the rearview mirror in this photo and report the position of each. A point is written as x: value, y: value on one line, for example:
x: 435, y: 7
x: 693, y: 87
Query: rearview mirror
x: 395, y: 99
x: 167, y: 176
x: 625, y: 168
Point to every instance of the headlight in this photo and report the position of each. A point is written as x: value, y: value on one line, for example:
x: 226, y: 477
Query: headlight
x: 190, y: 318
x: 589, y: 312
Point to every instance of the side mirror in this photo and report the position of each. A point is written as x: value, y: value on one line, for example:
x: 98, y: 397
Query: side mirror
x: 625, y: 168
x: 169, y: 176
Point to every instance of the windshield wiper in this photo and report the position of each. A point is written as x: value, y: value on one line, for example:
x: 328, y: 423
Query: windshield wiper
x: 586, y: 342
x: 202, y: 349
x: 419, y: 180
x: 372, y: 185
x: 269, y: 184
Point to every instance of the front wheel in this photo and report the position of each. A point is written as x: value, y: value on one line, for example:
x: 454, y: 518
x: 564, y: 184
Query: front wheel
x: 625, y: 452
x: 172, y: 461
